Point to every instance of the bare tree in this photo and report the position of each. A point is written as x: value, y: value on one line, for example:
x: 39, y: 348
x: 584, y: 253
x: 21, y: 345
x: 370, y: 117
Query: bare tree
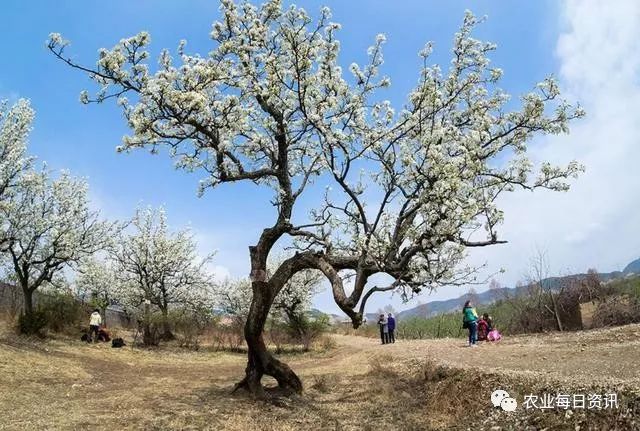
x: 472, y: 295
x: 544, y: 288
x: 494, y: 284
x: 410, y: 191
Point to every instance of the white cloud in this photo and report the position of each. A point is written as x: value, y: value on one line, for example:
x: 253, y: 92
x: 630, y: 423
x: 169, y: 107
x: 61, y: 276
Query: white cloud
x: 596, y: 223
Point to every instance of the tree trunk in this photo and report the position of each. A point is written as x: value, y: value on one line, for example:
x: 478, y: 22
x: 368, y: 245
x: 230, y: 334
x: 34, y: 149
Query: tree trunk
x: 28, y: 301
x: 167, y: 334
x: 260, y: 361
x: 103, y: 310
x: 556, y: 312
x: 148, y: 338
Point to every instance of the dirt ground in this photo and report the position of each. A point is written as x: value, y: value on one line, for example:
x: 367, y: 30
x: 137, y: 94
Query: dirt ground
x: 359, y: 384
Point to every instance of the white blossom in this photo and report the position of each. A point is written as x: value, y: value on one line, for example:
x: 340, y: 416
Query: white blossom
x: 272, y: 85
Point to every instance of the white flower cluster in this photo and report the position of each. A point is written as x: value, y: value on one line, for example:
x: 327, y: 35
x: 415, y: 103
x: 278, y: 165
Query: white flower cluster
x: 15, y: 125
x: 48, y: 226
x: 153, y: 263
x: 270, y: 104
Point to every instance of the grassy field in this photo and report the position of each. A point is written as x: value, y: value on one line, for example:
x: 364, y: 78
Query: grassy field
x: 359, y: 384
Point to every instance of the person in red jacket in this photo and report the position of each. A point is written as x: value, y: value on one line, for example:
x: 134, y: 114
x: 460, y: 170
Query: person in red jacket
x: 483, y: 328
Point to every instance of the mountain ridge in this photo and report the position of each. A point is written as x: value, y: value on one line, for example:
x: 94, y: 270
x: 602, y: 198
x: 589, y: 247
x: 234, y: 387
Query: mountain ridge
x: 434, y: 308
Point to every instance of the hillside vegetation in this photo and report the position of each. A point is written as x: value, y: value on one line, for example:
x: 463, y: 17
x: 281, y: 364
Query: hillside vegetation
x: 519, y: 313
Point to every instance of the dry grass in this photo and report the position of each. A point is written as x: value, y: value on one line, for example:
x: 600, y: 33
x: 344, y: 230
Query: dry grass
x: 351, y: 384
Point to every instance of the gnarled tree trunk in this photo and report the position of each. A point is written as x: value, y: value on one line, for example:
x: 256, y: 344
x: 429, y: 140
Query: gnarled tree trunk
x: 260, y: 361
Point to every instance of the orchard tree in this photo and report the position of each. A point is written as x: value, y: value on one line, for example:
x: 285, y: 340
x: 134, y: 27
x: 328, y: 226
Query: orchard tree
x: 233, y: 297
x: 98, y: 282
x: 48, y: 226
x: 294, y: 300
x: 159, y: 267
x: 408, y: 191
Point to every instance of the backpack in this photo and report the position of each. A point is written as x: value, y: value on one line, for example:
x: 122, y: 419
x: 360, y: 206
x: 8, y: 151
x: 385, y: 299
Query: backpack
x: 117, y: 343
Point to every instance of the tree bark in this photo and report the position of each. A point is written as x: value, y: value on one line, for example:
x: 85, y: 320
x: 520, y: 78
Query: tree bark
x: 167, y: 334
x: 148, y: 338
x: 28, y: 300
x: 260, y: 361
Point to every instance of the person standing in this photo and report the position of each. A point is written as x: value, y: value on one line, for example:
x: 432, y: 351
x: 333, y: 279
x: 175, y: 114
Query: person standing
x: 384, y: 328
x: 391, y: 325
x: 94, y: 325
x: 470, y: 321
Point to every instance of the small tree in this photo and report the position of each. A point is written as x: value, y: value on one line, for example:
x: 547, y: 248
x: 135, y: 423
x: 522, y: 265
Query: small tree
x: 98, y: 283
x: 291, y: 306
x: 48, y: 226
x: 472, y: 295
x: 294, y: 300
x: 269, y: 104
x: 544, y: 289
x: 157, y: 267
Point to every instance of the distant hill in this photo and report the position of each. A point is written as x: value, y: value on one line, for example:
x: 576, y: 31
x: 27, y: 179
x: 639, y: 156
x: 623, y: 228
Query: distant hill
x: 632, y: 268
x: 434, y: 308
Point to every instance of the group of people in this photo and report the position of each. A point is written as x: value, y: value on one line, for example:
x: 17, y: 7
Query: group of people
x: 480, y: 328
x: 387, y: 326
x: 97, y: 331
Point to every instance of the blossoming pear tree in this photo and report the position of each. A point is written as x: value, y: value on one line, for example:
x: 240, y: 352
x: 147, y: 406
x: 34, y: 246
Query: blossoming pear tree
x: 407, y: 191
x: 15, y: 125
x: 154, y: 264
x: 233, y: 297
x: 48, y: 226
x: 97, y: 282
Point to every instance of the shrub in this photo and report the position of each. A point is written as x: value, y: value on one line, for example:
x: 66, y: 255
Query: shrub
x: 32, y: 323
x: 61, y: 310
x: 189, y: 326
x: 327, y: 343
x: 305, y: 330
x: 616, y: 310
x: 278, y: 333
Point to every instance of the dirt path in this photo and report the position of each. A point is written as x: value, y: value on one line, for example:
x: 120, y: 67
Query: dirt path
x: 62, y: 384
x: 606, y: 357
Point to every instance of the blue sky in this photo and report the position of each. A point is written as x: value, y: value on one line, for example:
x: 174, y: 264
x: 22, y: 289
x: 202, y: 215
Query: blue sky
x: 534, y: 38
